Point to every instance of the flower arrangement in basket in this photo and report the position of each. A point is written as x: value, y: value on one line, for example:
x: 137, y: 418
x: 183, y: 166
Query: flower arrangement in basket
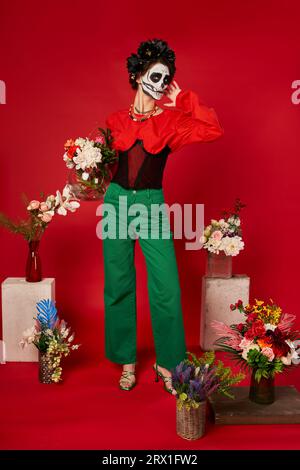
x: 195, y: 379
x: 53, y: 339
x: 222, y: 239
x: 39, y: 215
x: 264, y: 344
x: 89, y: 162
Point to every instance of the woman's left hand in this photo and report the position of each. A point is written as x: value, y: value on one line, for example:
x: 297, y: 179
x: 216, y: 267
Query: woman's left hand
x: 171, y: 93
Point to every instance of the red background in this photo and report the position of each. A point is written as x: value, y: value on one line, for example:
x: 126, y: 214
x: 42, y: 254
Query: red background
x: 64, y: 65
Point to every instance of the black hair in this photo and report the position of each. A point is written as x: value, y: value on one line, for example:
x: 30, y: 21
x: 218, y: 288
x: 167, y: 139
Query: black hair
x: 149, y: 52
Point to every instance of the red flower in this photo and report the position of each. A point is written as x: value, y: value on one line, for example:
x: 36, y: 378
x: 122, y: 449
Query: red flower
x: 240, y: 327
x: 279, y: 346
x: 232, y: 307
x: 72, y: 150
x: 257, y: 329
x: 252, y: 317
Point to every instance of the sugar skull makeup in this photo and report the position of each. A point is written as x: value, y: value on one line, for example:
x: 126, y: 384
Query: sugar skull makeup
x: 155, y: 80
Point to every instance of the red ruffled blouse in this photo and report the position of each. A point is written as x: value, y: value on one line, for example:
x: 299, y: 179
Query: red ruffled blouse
x: 143, y: 147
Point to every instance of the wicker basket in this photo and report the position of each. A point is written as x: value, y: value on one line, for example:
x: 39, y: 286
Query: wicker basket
x: 45, y: 371
x: 190, y: 423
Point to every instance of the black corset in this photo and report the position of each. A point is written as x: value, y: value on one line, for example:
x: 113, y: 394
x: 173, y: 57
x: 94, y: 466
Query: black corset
x: 140, y: 169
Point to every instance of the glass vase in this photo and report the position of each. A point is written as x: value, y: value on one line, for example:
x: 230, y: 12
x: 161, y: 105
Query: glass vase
x: 262, y: 392
x: 86, y: 190
x: 218, y: 265
x: 33, y: 265
x: 191, y: 423
x: 45, y: 369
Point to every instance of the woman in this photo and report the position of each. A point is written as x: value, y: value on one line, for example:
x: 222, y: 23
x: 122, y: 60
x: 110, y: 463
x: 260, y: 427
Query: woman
x: 144, y: 135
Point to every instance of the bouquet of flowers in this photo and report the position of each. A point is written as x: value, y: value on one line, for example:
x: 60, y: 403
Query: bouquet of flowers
x: 264, y: 342
x: 40, y: 214
x: 225, y: 234
x: 90, y: 161
x: 51, y: 336
x: 196, y: 378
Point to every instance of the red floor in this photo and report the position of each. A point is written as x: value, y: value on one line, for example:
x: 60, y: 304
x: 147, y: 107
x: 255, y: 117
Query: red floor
x: 88, y: 411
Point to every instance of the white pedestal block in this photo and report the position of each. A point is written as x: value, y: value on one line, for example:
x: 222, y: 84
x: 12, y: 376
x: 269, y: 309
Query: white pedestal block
x: 217, y: 296
x: 19, y: 299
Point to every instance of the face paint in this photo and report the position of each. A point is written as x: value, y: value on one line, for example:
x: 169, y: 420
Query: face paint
x: 156, y: 80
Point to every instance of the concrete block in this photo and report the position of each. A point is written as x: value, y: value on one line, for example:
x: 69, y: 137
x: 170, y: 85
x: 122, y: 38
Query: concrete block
x: 19, y: 299
x: 217, y: 296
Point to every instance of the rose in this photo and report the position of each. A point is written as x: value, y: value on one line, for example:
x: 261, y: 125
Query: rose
x: 33, y: 205
x: 46, y: 217
x: 240, y: 327
x: 257, y: 329
x: 251, y: 317
x: 217, y: 235
x: 43, y: 207
x: 268, y: 352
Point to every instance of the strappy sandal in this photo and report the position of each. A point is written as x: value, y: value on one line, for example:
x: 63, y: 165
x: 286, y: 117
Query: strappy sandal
x: 125, y: 376
x: 165, y: 380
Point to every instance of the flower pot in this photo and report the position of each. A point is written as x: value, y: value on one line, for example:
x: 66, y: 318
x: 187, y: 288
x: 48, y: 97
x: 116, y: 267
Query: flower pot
x: 45, y: 369
x: 190, y: 423
x: 33, y: 265
x: 218, y: 265
x: 86, y: 190
x: 262, y: 392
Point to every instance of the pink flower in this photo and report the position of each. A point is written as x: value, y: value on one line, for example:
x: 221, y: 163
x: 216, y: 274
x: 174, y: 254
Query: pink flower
x: 43, y: 207
x: 268, y: 352
x: 233, y: 338
x: 99, y: 140
x: 46, y: 218
x: 245, y: 343
x: 33, y: 205
x: 217, y: 235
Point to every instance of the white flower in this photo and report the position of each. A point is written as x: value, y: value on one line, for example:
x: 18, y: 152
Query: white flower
x: 64, y: 203
x: 224, y: 225
x: 203, y: 239
x: 28, y: 336
x: 294, y: 355
x: 71, y: 338
x: 88, y: 156
x: 269, y: 326
x: 85, y: 176
x: 232, y: 245
x: 213, y: 245
x: 286, y: 360
x: 80, y: 141
x: 246, y: 350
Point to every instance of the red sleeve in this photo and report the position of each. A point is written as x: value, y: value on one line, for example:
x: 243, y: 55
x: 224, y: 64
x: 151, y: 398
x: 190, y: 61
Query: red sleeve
x: 196, y: 122
x: 110, y: 123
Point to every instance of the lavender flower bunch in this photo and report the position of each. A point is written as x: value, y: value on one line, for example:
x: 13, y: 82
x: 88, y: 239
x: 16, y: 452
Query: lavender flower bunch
x: 196, y: 379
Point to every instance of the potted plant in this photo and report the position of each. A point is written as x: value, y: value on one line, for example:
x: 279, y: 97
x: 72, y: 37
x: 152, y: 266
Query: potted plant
x: 222, y: 240
x: 53, y: 339
x: 39, y: 215
x: 195, y: 379
x: 263, y: 343
x: 89, y: 161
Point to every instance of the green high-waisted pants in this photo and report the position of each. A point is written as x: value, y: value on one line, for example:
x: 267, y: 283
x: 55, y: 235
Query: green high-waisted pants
x: 156, y: 242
